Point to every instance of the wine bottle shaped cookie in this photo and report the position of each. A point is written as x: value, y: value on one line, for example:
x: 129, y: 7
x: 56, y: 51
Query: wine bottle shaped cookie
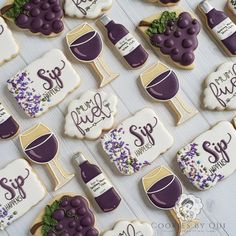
x: 86, y: 45
x: 162, y: 84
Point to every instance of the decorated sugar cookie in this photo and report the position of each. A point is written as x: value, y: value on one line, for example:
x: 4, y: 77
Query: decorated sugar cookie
x: 67, y: 214
x: 8, y: 46
x: 164, y: 190
x: 85, y: 44
x: 173, y: 34
x: 87, y: 8
x: 232, y: 6
x: 20, y: 190
x: 125, y: 43
x: 165, y: 2
x: 130, y: 228
x: 38, y: 16
x: 220, y: 90
x: 209, y: 158
x: 137, y: 142
x: 92, y: 113
x: 41, y: 146
x: 44, y: 83
x: 222, y: 28
x: 99, y: 186
x: 9, y: 128
x: 162, y: 84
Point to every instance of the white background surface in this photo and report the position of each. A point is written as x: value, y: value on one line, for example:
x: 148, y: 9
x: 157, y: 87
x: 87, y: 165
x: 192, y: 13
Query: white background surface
x: 218, y: 217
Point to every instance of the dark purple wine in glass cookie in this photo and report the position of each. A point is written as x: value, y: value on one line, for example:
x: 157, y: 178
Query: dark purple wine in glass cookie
x: 39, y: 16
x: 174, y: 35
x: 67, y: 215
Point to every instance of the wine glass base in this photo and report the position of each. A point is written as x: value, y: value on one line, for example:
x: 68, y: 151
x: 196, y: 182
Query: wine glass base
x: 62, y: 182
x: 186, y: 117
x: 107, y: 80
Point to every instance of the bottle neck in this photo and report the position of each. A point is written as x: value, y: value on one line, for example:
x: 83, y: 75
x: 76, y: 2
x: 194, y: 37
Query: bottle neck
x: 206, y: 7
x: 107, y: 21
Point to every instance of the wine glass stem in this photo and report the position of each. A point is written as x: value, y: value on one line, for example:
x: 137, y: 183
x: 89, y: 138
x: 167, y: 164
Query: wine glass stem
x: 58, y: 173
x: 182, y: 110
x: 106, y: 75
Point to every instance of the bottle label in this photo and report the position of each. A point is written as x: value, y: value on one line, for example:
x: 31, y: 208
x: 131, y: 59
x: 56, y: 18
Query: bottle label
x: 4, y: 115
x: 127, y: 44
x: 224, y: 29
x: 99, y: 185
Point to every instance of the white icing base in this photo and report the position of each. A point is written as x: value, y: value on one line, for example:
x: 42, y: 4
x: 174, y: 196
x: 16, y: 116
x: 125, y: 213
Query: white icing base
x: 82, y: 109
x: 130, y: 228
x: 130, y: 152
x: 32, y: 187
x: 8, y: 46
x: 37, y: 96
x: 91, y: 11
x: 221, y: 80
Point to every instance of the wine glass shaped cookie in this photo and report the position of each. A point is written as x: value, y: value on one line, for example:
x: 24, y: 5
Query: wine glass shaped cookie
x: 136, y: 142
x: 9, y: 128
x: 164, y: 191
x: 162, y: 84
x: 87, y: 8
x: 41, y: 146
x: 8, y: 47
x: 210, y: 157
x: 38, y: 16
x: 86, y: 45
x: 67, y: 214
x: 165, y: 2
x: 130, y: 228
x: 44, y: 83
x: 20, y: 190
x: 173, y: 35
x: 232, y: 6
x: 220, y: 88
x: 92, y: 113
x: 220, y: 26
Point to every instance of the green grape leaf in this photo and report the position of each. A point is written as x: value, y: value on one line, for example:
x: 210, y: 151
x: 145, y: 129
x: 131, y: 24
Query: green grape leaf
x: 158, y: 26
x: 16, y: 9
x: 48, y: 222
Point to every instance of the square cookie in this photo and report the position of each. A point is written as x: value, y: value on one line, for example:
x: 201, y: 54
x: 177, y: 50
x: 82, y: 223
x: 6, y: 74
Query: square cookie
x: 20, y: 189
x: 137, y: 142
x: 44, y: 83
x: 210, y: 157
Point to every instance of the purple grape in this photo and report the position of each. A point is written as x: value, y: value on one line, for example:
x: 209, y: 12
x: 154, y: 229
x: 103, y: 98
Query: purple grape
x: 177, y: 33
x: 72, y: 224
x: 65, y: 234
x: 79, y: 228
x: 81, y: 211
x: 183, y: 23
x: 169, y: 43
x: 75, y: 202
x: 22, y: 20
x: 187, y: 58
x: 35, y: 2
x: 59, y: 227
x: 35, y: 12
x: 167, y: 32
x: 37, y: 23
x: 191, y: 31
x: 175, y: 51
x: 57, y: 26
x: 157, y: 39
x: 50, y: 16
x: 92, y: 232
x: 78, y: 234
x: 58, y: 214
x: 71, y: 212
x: 45, y: 6
x: 86, y: 221
x: 187, y: 43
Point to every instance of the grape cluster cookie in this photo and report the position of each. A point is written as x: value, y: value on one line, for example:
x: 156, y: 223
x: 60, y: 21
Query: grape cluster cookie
x: 39, y: 16
x: 166, y: 2
x: 174, y: 35
x: 67, y: 215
